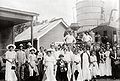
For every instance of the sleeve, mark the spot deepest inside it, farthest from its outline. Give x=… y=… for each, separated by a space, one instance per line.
x=16 y=57
x=72 y=57
x=6 y=55
x=36 y=59
x=91 y=39
x=54 y=61
x=90 y=59
x=29 y=58
x=44 y=61
x=74 y=40
x=96 y=58
x=24 y=57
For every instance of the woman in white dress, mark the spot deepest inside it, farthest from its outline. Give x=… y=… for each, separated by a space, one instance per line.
x=94 y=64
x=49 y=62
x=68 y=58
x=76 y=65
x=32 y=59
x=10 y=57
x=86 y=65
x=108 y=61
x=102 y=62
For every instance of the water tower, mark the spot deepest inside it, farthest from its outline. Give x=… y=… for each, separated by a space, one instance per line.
x=90 y=12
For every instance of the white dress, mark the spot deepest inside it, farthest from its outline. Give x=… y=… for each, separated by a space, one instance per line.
x=108 y=64
x=68 y=59
x=94 y=66
x=32 y=59
x=102 y=65
x=77 y=58
x=56 y=54
x=85 y=67
x=49 y=61
x=9 y=73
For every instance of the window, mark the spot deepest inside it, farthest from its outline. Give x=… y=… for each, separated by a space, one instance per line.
x=114 y=32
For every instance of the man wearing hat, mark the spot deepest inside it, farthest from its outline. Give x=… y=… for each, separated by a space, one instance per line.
x=21 y=58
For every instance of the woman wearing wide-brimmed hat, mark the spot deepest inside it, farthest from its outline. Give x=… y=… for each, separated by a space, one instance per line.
x=108 y=60
x=10 y=57
x=32 y=59
x=27 y=51
x=49 y=63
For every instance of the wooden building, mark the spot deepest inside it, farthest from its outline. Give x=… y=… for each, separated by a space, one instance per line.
x=44 y=34
x=107 y=31
x=9 y=18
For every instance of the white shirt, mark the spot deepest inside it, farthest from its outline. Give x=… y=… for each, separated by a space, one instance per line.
x=70 y=39
x=76 y=58
x=67 y=57
x=87 y=38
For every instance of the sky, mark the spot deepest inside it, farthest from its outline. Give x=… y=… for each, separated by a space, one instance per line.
x=49 y=9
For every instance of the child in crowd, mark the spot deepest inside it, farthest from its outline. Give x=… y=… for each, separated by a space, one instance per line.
x=93 y=65
x=61 y=74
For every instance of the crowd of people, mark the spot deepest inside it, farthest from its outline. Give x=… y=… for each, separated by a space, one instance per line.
x=64 y=62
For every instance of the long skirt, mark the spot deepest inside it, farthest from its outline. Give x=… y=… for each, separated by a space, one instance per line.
x=69 y=72
x=61 y=76
x=86 y=73
x=40 y=70
x=10 y=74
x=108 y=67
x=102 y=69
x=49 y=73
x=94 y=69
x=78 y=68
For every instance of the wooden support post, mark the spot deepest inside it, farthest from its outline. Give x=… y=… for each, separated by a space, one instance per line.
x=32 y=32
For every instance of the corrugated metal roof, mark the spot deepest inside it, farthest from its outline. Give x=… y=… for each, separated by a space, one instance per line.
x=85 y=28
x=38 y=31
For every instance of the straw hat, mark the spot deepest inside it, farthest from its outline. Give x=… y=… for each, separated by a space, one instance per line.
x=107 y=43
x=50 y=50
x=21 y=45
x=29 y=44
x=61 y=55
x=10 y=45
x=32 y=48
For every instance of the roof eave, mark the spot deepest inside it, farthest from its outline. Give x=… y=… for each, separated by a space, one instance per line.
x=18 y=11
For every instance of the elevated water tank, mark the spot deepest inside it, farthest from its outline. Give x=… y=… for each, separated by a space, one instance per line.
x=89 y=12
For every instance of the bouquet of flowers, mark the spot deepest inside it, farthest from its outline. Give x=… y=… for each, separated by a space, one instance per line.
x=63 y=67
